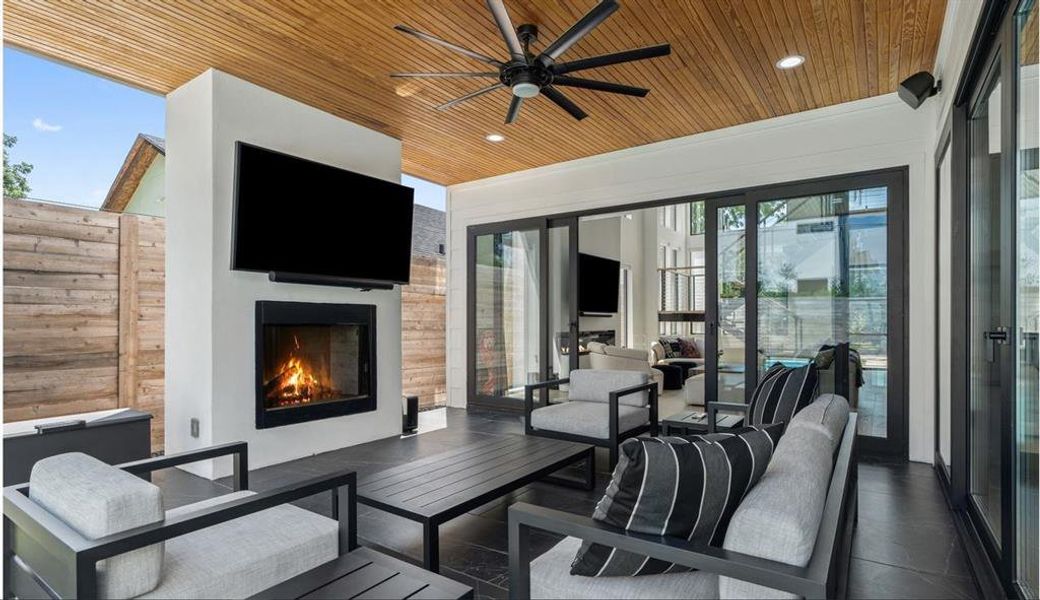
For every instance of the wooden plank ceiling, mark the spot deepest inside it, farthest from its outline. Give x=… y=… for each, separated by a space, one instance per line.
x=335 y=55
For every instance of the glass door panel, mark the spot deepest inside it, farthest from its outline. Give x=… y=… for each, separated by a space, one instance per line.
x=563 y=351
x=731 y=315
x=823 y=294
x=986 y=301
x=945 y=305
x=507 y=310
x=1027 y=301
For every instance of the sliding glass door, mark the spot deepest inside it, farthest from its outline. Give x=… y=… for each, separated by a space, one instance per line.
x=989 y=296
x=822 y=291
x=813 y=272
x=995 y=130
x=522 y=314
x=506 y=311
x=1027 y=299
x=727 y=309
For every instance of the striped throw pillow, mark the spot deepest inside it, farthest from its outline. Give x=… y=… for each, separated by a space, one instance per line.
x=686 y=487
x=782 y=392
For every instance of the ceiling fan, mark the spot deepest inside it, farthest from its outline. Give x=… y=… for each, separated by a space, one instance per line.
x=528 y=75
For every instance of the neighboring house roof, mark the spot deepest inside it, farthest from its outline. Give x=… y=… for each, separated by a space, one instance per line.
x=428 y=231
x=144 y=151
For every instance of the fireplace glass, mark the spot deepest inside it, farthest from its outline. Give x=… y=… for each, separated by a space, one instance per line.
x=313 y=364
x=313 y=361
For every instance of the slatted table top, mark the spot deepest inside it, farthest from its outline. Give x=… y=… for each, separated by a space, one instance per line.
x=446 y=484
x=365 y=573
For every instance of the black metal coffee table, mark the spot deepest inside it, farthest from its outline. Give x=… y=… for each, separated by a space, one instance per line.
x=692 y=422
x=443 y=486
x=366 y=573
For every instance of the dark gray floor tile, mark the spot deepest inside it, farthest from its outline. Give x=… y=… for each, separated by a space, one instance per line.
x=869 y=579
x=180 y=488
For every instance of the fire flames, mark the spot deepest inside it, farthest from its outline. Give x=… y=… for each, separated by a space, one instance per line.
x=295 y=383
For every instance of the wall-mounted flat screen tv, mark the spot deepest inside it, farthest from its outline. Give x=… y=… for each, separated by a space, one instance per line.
x=598 y=282
x=298 y=216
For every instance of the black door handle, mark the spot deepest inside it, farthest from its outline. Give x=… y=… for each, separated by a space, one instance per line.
x=994 y=337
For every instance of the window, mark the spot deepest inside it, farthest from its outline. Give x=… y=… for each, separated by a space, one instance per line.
x=670 y=217
x=697 y=218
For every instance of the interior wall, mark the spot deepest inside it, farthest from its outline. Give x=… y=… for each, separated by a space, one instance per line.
x=874 y=133
x=210 y=308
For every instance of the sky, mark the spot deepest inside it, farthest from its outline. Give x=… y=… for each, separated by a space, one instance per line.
x=75 y=128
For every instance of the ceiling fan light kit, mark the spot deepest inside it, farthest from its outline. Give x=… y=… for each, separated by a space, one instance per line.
x=528 y=75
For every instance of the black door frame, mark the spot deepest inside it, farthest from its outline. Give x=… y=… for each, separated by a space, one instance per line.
x=995 y=69
x=573 y=322
x=545 y=342
x=712 y=325
x=472 y=233
x=993 y=52
x=896 y=179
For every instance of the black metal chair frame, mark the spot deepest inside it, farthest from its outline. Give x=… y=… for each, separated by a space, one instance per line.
x=714 y=408
x=63 y=562
x=615 y=437
x=825 y=576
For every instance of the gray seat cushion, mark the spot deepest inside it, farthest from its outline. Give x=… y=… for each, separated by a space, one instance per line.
x=551 y=578
x=780 y=517
x=595 y=385
x=590 y=419
x=246 y=555
x=828 y=415
x=98 y=500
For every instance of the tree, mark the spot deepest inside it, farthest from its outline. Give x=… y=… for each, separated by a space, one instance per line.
x=16 y=184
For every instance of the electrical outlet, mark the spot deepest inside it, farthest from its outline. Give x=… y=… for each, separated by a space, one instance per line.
x=194 y=427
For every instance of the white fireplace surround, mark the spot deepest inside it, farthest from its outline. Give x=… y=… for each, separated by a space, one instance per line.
x=210 y=342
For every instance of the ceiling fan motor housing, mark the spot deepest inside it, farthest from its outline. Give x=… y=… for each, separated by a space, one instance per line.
x=526 y=80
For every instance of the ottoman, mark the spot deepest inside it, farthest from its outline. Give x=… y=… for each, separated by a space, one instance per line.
x=673 y=376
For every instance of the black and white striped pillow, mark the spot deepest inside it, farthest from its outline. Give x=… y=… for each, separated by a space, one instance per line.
x=686 y=487
x=782 y=392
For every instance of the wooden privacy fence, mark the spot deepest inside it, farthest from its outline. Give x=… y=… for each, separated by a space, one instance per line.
x=84 y=298
x=422 y=332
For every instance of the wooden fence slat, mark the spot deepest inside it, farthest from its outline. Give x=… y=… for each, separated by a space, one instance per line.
x=128 y=258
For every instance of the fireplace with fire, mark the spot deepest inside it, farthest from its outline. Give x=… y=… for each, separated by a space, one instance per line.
x=313 y=361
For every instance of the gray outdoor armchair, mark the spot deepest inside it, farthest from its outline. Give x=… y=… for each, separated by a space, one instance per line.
x=603 y=408
x=85 y=529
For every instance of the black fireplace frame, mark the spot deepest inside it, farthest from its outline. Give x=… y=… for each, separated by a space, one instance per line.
x=269 y=312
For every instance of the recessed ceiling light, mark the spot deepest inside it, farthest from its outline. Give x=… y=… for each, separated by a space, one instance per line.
x=790 y=62
x=494 y=137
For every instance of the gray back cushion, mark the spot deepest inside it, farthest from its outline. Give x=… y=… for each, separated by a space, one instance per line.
x=780 y=517
x=99 y=500
x=595 y=385
x=827 y=414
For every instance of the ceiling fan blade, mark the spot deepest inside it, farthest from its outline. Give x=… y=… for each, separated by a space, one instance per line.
x=601 y=86
x=604 y=60
x=563 y=102
x=514 y=109
x=594 y=17
x=436 y=40
x=501 y=15
x=470 y=96
x=446 y=75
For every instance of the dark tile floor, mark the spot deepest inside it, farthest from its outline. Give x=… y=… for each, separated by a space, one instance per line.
x=905 y=545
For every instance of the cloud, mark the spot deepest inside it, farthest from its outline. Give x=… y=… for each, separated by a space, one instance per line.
x=41 y=125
